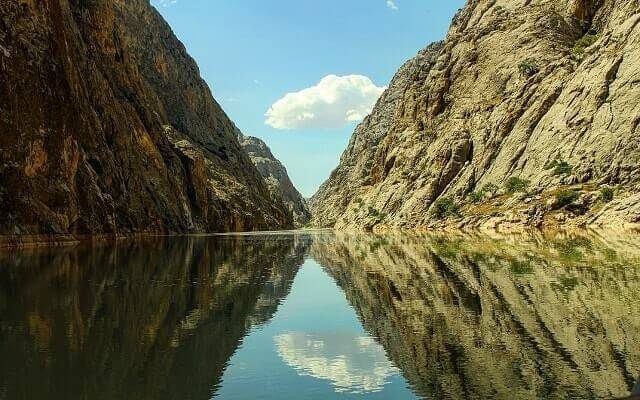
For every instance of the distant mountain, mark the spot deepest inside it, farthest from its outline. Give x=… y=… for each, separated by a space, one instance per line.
x=276 y=177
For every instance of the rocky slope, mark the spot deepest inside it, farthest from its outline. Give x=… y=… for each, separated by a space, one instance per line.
x=108 y=128
x=520 y=117
x=276 y=177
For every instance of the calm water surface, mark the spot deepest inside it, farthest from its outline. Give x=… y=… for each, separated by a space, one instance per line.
x=323 y=316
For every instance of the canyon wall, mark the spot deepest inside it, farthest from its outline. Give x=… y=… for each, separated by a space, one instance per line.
x=108 y=128
x=524 y=109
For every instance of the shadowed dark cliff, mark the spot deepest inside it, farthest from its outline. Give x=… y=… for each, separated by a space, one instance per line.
x=107 y=127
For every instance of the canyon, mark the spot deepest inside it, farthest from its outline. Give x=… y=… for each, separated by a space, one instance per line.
x=525 y=115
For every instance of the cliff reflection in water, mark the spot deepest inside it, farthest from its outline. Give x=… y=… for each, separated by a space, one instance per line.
x=461 y=317
x=477 y=317
x=158 y=320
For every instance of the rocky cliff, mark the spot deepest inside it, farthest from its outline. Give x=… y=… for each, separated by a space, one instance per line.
x=108 y=128
x=276 y=178
x=526 y=114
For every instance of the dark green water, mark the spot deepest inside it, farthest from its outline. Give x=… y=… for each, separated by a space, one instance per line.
x=323 y=316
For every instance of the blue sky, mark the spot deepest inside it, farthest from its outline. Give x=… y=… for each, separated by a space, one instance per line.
x=254 y=52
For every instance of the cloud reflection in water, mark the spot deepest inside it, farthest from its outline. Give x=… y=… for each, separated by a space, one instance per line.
x=352 y=363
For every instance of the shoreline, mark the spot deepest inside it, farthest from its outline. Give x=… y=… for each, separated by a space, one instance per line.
x=26 y=242
x=21 y=242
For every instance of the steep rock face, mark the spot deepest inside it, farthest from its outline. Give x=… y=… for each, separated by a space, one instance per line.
x=354 y=171
x=107 y=127
x=276 y=177
x=517 y=88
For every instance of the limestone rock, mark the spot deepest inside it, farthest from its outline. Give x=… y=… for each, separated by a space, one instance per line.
x=545 y=91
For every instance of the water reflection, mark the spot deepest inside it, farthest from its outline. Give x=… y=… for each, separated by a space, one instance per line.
x=479 y=317
x=156 y=320
x=351 y=362
x=460 y=316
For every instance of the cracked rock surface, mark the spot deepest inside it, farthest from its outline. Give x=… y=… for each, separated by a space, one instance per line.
x=516 y=88
x=107 y=128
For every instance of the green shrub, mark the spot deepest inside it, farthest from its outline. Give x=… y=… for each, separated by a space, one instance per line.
x=581 y=44
x=481 y=194
x=562 y=168
x=515 y=185
x=521 y=267
x=376 y=215
x=606 y=194
x=444 y=208
x=559 y=166
x=566 y=197
x=372 y=211
x=529 y=67
x=490 y=188
x=476 y=197
x=499 y=10
x=569 y=282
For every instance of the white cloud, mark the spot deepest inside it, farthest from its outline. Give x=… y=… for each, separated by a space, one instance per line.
x=332 y=103
x=392 y=4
